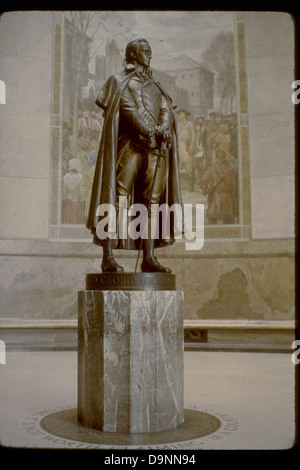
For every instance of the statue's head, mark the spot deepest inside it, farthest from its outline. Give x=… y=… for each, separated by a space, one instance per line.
x=138 y=51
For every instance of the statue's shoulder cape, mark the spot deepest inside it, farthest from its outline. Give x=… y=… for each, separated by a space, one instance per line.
x=114 y=85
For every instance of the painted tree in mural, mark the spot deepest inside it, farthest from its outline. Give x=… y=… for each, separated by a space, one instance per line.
x=83 y=28
x=219 y=58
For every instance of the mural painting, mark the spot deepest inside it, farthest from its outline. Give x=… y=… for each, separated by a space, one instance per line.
x=194 y=60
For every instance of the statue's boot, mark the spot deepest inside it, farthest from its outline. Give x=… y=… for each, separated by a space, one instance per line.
x=150 y=263
x=109 y=264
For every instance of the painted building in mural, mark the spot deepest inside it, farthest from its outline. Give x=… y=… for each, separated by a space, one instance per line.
x=198 y=82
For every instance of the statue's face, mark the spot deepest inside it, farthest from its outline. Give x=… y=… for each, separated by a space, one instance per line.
x=143 y=55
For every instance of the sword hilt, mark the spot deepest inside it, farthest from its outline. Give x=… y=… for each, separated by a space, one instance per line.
x=152 y=140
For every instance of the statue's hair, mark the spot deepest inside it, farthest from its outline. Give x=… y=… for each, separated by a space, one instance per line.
x=132 y=46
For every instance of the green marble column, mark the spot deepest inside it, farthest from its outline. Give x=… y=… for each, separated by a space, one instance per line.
x=130 y=360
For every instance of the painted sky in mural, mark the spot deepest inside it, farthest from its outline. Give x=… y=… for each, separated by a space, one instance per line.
x=170 y=33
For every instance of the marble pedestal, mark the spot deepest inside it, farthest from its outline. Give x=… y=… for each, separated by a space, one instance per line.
x=130 y=360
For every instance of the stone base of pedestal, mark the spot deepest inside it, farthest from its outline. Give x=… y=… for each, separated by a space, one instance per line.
x=130 y=360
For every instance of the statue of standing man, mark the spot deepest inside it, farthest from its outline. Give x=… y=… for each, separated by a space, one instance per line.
x=138 y=156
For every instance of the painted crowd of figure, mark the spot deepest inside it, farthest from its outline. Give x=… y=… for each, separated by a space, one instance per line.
x=208 y=164
x=78 y=170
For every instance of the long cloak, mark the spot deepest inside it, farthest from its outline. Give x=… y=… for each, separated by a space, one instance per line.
x=104 y=185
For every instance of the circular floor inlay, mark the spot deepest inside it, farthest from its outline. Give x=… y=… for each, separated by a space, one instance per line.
x=64 y=424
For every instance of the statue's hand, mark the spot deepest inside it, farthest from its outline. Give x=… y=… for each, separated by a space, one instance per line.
x=161 y=130
x=163 y=133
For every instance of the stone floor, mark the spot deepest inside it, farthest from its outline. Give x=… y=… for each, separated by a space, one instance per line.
x=252 y=394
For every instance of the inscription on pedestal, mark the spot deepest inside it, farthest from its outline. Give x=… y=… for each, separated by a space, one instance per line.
x=130 y=281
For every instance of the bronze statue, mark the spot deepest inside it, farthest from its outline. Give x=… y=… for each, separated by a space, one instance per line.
x=138 y=154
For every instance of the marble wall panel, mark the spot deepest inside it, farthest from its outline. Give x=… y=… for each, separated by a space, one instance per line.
x=271 y=71
x=273 y=207
x=24 y=207
x=24 y=42
x=28 y=85
x=272 y=145
x=272 y=287
x=27 y=155
x=26 y=68
x=255 y=281
x=221 y=291
x=239 y=288
x=270 y=79
x=271 y=24
x=42 y=287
